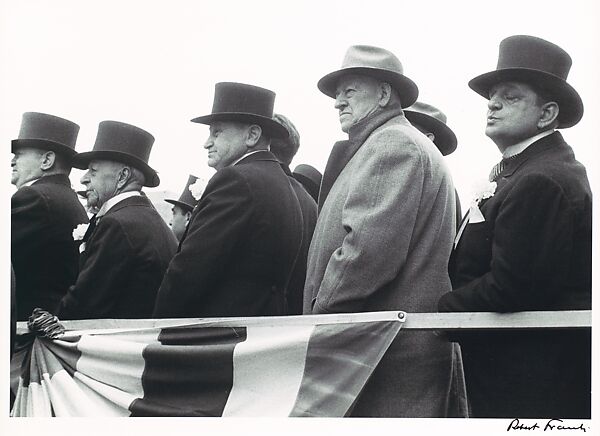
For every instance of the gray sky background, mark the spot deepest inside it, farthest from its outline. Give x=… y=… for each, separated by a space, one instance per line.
x=154 y=64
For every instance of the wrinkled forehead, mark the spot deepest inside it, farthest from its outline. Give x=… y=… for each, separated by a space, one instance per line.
x=355 y=81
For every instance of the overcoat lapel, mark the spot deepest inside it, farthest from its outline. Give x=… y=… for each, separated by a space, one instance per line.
x=343 y=151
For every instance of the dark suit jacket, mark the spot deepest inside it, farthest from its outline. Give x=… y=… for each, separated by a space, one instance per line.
x=240 y=245
x=44 y=254
x=308 y=206
x=532 y=252
x=123 y=263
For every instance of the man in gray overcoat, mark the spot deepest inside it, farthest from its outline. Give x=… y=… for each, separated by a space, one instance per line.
x=384 y=234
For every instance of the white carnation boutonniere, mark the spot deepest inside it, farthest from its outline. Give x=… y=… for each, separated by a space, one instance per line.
x=482 y=191
x=79 y=232
x=197 y=188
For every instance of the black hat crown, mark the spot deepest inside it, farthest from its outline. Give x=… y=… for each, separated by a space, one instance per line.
x=522 y=51
x=47 y=132
x=244 y=103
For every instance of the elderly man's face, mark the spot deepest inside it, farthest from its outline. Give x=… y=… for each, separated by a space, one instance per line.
x=225 y=143
x=100 y=181
x=26 y=165
x=513 y=113
x=356 y=97
x=179 y=221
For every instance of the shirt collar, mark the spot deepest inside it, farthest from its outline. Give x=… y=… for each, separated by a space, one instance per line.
x=517 y=148
x=246 y=155
x=31 y=182
x=114 y=200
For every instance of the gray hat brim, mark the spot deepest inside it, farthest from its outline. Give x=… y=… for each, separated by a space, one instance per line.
x=405 y=87
x=445 y=139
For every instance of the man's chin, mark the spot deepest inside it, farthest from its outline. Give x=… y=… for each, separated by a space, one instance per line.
x=345 y=127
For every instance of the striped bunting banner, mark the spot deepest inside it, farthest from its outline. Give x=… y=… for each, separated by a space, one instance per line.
x=266 y=366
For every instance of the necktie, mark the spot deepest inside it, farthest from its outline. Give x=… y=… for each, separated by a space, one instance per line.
x=500 y=166
x=91 y=227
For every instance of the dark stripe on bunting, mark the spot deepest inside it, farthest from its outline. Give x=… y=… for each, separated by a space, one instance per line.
x=67 y=356
x=190 y=373
x=326 y=390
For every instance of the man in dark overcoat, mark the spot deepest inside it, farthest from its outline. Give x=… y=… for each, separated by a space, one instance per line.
x=525 y=244
x=44 y=212
x=284 y=150
x=183 y=207
x=310 y=178
x=127 y=247
x=384 y=234
x=432 y=123
x=239 y=249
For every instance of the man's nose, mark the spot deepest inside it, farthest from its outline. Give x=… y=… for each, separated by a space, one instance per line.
x=85 y=179
x=340 y=102
x=494 y=104
x=208 y=143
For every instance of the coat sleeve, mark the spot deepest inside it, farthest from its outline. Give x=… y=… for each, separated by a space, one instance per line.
x=104 y=273
x=379 y=216
x=532 y=242
x=221 y=215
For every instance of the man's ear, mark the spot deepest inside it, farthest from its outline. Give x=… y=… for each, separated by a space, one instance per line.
x=188 y=216
x=549 y=114
x=253 y=135
x=123 y=177
x=47 y=160
x=385 y=94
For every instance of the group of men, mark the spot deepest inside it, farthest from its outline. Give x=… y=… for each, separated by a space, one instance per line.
x=383 y=231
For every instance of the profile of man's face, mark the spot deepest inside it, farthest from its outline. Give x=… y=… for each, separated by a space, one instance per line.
x=514 y=111
x=179 y=221
x=100 y=181
x=25 y=165
x=356 y=97
x=226 y=143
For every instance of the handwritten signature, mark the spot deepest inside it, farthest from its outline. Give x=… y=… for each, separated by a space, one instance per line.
x=551 y=424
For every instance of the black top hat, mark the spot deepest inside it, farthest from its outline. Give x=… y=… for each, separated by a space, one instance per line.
x=186 y=200
x=375 y=62
x=541 y=64
x=124 y=143
x=47 y=132
x=310 y=178
x=244 y=103
x=433 y=120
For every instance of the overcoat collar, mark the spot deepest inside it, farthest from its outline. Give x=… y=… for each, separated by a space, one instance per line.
x=138 y=200
x=264 y=155
x=538 y=147
x=343 y=151
x=57 y=179
x=286 y=170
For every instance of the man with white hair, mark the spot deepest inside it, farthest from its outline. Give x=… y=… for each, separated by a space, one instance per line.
x=384 y=234
x=127 y=246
